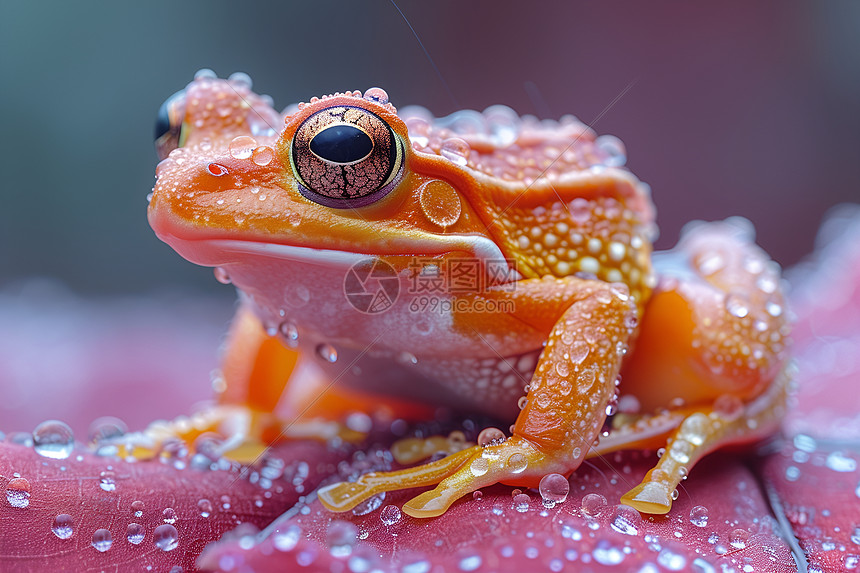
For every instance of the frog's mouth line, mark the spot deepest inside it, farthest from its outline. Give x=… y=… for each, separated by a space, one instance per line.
x=218 y=252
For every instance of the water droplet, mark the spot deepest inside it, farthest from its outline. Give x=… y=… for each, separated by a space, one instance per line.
x=63 y=526
x=221 y=275
x=671 y=560
x=593 y=504
x=699 y=516
x=626 y=520
x=134 y=533
x=503 y=125
x=242 y=147
x=377 y=95
x=681 y=450
x=341 y=537
x=263 y=155
x=166 y=537
x=614 y=150
x=517 y=463
x=106 y=428
x=369 y=505
x=607 y=554
x=205 y=507
x=491 y=437
x=710 y=263
x=737 y=305
x=290 y=333
x=169 y=515
x=579 y=351
x=470 y=563
x=805 y=443
x=102 y=540
x=286 y=540
x=521 y=502
x=477 y=495
x=240 y=80
x=205 y=74
x=216 y=169
x=107 y=480
x=53 y=439
x=18 y=492
x=554 y=488
x=729 y=407
x=839 y=462
x=773 y=309
x=327 y=352
x=479 y=466
x=456 y=150
x=738 y=538
x=137 y=508
x=390 y=514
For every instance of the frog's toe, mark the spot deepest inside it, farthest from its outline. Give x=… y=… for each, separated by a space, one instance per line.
x=649 y=497
x=343 y=496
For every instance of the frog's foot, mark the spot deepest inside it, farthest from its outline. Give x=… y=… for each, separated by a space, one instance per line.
x=235 y=432
x=412 y=450
x=728 y=421
x=515 y=462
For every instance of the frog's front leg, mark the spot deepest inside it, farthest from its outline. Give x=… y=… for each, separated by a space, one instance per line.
x=265 y=395
x=589 y=324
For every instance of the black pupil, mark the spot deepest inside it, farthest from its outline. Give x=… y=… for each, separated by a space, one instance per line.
x=341 y=144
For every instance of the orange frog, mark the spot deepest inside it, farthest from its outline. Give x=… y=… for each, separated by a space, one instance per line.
x=483 y=263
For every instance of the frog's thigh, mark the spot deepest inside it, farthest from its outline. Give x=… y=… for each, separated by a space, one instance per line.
x=712 y=340
x=715 y=325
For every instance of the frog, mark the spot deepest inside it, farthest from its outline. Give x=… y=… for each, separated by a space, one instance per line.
x=394 y=263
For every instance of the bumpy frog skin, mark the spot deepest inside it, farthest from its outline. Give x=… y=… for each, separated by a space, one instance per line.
x=560 y=320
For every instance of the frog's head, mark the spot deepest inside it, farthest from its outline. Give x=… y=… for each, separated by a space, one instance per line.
x=273 y=198
x=334 y=181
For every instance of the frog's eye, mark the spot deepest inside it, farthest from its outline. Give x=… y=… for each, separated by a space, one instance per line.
x=346 y=157
x=168 y=125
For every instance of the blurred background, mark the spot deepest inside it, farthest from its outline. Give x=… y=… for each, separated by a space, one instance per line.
x=734 y=108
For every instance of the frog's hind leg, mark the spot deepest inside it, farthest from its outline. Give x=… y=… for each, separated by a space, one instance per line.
x=713 y=337
x=687 y=435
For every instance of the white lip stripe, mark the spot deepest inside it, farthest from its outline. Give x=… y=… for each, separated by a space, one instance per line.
x=482 y=247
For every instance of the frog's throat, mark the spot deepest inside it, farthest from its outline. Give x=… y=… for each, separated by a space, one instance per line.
x=219 y=252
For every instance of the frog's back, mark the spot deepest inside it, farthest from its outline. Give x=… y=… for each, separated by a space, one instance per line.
x=555 y=196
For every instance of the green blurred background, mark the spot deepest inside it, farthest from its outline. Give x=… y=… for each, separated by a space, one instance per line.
x=736 y=108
